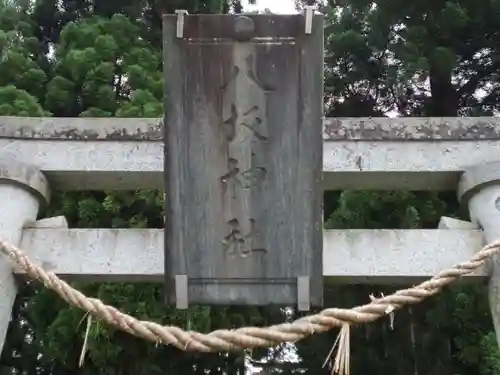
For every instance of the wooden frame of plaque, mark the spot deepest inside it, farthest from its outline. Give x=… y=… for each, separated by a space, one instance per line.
x=243 y=159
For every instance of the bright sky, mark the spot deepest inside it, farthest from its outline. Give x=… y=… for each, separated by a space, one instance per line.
x=275 y=6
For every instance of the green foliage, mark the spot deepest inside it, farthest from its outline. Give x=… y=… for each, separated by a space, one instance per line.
x=395 y=209
x=103 y=69
x=384 y=55
x=490 y=365
x=22 y=80
x=18 y=102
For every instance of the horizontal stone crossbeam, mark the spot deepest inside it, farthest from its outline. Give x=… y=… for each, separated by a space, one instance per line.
x=358 y=153
x=353 y=256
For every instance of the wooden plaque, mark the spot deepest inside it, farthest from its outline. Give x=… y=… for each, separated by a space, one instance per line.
x=243 y=159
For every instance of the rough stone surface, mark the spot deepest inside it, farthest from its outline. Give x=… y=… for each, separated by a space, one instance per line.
x=411 y=128
x=78 y=129
x=478 y=176
x=355 y=256
x=396 y=256
x=377 y=165
x=26 y=177
x=92 y=165
x=50 y=222
x=19 y=207
x=334 y=129
x=484 y=211
x=413 y=165
x=452 y=223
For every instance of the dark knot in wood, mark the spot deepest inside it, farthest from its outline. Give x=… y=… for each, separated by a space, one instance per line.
x=244 y=28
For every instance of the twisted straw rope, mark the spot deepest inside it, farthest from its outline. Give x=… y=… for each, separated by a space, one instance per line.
x=248 y=337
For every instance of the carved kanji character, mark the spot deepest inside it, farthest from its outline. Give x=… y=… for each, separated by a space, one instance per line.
x=252 y=121
x=238 y=243
x=245 y=101
x=245 y=179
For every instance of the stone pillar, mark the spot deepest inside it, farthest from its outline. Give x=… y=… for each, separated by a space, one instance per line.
x=23 y=189
x=479 y=188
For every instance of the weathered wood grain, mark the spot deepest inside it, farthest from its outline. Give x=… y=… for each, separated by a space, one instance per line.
x=243 y=159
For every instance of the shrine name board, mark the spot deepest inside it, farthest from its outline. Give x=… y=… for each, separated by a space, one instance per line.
x=243 y=159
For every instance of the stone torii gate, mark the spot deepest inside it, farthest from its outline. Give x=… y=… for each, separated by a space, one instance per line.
x=461 y=154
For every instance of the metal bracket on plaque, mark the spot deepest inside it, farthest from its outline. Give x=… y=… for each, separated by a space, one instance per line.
x=180 y=21
x=181 y=292
x=308 y=14
x=303 y=293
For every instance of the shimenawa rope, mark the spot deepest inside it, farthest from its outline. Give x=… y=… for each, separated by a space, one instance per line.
x=248 y=337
